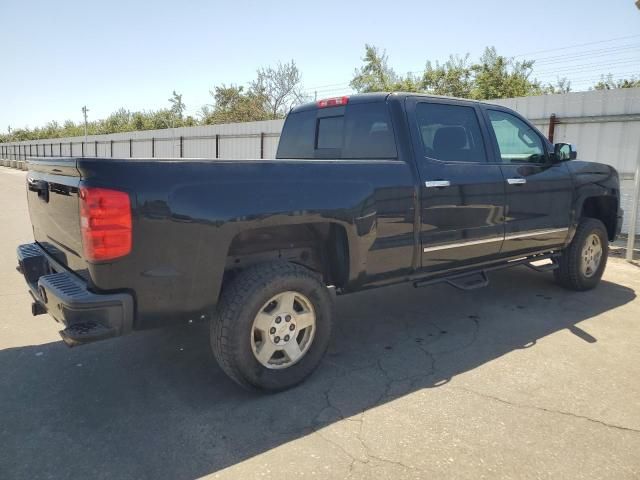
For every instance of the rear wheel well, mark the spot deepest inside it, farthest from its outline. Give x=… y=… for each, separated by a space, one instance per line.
x=604 y=209
x=321 y=247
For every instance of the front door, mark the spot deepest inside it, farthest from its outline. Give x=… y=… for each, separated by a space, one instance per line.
x=462 y=195
x=539 y=193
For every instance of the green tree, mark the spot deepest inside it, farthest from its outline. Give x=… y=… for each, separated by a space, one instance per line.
x=234 y=104
x=118 y=121
x=163 y=118
x=492 y=76
x=496 y=76
x=280 y=86
x=177 y=105
x=377 y=76
x=608 y=83
x=139 y=121
x=453 y=78
x=562 y=85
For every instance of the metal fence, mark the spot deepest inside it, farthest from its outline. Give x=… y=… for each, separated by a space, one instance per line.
x=240 y=140
x=605 y=126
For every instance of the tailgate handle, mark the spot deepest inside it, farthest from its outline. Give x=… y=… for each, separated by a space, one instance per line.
x=39 y=186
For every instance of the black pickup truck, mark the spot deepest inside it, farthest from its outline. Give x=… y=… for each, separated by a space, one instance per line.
x=366 y=191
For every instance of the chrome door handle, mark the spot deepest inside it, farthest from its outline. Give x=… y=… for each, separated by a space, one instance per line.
x=437 y=183
x=516 y=181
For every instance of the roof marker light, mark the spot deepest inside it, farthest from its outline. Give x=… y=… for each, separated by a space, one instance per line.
x=333 y=102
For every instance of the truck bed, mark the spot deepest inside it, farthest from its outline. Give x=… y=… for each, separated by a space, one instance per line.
x=187 y=212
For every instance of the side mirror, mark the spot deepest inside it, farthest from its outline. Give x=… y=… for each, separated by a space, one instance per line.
x=564 y=151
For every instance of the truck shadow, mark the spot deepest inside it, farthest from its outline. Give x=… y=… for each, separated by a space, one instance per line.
x=155 y=405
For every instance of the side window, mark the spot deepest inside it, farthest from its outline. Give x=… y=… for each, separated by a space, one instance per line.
x=450 y=132
x=368 y=132
x=298 y=135
x=517 y=141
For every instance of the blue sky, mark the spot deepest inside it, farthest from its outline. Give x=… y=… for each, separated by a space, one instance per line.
x=58 y=56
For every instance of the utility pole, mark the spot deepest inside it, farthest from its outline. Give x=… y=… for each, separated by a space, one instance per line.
x=84 y=112
x=9 y=130
x=635 y=199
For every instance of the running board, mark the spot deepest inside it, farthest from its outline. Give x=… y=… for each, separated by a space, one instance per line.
x=470 y=281
x=547 y=267
x=478 y=278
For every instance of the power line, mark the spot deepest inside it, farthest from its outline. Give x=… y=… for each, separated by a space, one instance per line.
x=577 y=55
x=338 y=88
x=591 y=77
x=585 y=78
x=320 y=87
x=544 y=75
x=590 y=54
x=583 y=74
x=587 y=66
x=576 y=45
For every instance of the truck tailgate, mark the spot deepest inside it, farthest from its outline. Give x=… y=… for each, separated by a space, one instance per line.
x=52 y=194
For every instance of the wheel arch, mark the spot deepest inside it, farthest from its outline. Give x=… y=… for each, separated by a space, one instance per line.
x=602 y=207
x=320 y=246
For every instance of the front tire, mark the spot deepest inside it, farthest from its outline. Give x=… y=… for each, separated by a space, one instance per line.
x=583 y=262
x=272 y=326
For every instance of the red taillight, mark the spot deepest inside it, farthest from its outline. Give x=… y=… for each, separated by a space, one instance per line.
x=333 y=102
x=105 y=223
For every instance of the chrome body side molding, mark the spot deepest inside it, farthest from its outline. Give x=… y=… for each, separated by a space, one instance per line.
x=511 y=236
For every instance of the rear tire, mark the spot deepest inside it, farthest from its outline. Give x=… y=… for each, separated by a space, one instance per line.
x=262 y=306
x=583 y=262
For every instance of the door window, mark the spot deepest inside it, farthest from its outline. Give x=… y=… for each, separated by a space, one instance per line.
x=450 y=133
x=517 y=141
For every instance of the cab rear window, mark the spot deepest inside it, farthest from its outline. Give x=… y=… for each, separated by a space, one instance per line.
x=330 y=132
x=357 y=131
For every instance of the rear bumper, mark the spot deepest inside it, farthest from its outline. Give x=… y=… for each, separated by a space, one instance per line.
x=87 y=316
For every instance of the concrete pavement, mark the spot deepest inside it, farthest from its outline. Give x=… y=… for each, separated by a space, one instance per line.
x=518 y=380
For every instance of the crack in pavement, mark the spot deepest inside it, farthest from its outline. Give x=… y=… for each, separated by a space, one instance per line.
x=368 y=455
x=391 y=379
x=547 y=410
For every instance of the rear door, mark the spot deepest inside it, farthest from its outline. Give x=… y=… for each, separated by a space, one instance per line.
x=538 y=192
x=52 y=195
x=462 y=194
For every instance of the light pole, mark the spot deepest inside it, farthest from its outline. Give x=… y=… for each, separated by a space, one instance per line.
x=635 y=198
x=84 y=112
x=10 y=139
